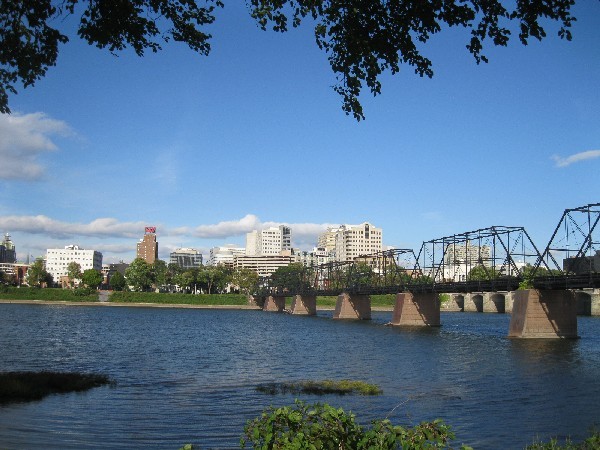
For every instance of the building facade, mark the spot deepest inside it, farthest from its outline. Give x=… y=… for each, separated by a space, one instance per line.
x=225 y=255
x=460 y=259
x=352 y=241
x=58 y=260
x=264 y=266
x=147 y=247
x=271 y=241
x=186 y=258
x=8 y=253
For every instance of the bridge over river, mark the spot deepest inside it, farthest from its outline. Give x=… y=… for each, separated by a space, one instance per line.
x=495 y=266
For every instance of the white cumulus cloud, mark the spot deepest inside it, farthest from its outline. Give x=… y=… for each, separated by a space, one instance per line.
x=577 y=157
x=23 y=138
x=104 y=227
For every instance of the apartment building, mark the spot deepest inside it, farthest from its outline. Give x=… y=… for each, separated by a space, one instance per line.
x=351 y=241
x=186 y=258
x=58 y=260
x=270 y=241
x=225 y=255
x=147 y=247
x=459 y=259
x=263 y=265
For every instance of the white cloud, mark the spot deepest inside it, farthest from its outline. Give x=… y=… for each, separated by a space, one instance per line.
x=23 y=138
x=104 y=227
x=303 y=234
x=229 y=228
x=577 y=157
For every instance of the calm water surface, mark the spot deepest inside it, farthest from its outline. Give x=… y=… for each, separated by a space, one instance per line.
x=189 y=375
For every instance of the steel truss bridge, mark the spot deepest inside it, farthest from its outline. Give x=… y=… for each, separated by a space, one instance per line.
x=498 y=258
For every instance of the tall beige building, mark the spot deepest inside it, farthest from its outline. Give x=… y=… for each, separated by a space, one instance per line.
x=147 y=247
x=351 y=241
x=269 y=242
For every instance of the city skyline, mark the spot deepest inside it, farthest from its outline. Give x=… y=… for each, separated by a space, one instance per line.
x=209 y=148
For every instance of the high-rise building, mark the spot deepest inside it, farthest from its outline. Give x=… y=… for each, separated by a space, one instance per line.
x=459 y=259
x=8 y=253
x=147 y=247
x=186 y=258
x=58 y=260
x=351 y=241
x=271 y=241
x=225 y=255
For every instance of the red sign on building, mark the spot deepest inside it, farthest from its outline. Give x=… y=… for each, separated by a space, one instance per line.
x=150 y=229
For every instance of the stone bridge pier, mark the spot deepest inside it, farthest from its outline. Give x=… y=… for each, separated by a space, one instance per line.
x=544 y=314
x=588 y=302
x=305 y=304
x=353 y=306
x=494 y=302
x=417 y=309
x=274 y=303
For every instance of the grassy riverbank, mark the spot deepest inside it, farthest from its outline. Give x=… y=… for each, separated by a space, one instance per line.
x=30 y=386
x=126 y=297
x=179 y=299
x=48 y=294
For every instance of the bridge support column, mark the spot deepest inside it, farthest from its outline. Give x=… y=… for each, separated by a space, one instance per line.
x=456 y=302
x=353 y=307
x=494 y=302
x=509 y=300
x=473 y=302
x=304 y=304
x=595 y=295
x=543 y=314
x=256 y=300
x=274 y=303
x=417 y=309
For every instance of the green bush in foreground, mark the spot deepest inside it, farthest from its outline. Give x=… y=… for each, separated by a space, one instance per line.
x=322 y=426
x=591 y=443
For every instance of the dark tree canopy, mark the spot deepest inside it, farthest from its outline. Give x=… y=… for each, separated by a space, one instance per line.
x=362 y=38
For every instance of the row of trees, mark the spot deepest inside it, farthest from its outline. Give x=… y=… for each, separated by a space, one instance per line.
x=142 y=276
x=37 y=275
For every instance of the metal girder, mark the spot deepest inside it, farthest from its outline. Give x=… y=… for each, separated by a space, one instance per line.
x=486 y=254
x=574 y=246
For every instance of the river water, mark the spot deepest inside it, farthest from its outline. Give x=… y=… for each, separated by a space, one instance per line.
x=189 y=375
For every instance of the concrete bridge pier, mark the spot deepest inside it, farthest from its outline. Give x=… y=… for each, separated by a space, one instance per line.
x=543 y=314
x=258 y=300
x=353 y=306
x=456 y=302
x=494 y=302
x=588 y=302
x=274 y=303
x=305 y=304
x=417 y=309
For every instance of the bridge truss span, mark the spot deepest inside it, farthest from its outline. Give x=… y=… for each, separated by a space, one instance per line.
x=495 y=256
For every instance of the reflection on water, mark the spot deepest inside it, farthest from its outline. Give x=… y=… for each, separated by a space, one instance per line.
x=187 y=375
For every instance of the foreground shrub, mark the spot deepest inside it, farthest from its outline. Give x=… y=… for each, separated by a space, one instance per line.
x=322 y=426
x=591 y=443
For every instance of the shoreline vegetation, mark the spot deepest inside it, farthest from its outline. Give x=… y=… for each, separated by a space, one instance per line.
x=128 y=298
x=16 y=387
x=324 y=387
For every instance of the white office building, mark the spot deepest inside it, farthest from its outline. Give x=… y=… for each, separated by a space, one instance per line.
x=459 y=259
x=225 y=255
x=351 y=241
x=58 y=259
x=269 y=242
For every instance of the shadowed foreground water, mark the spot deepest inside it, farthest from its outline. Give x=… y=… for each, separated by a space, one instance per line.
x=189 y=375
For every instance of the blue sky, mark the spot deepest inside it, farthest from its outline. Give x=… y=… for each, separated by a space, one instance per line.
x=209 y=148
